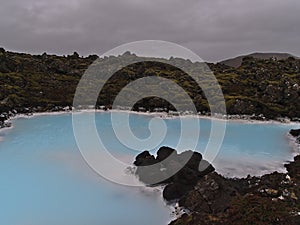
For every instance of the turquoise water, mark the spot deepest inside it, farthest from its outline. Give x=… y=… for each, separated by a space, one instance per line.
x=44 y=179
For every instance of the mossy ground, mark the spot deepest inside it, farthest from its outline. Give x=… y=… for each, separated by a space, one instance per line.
x=269 y=87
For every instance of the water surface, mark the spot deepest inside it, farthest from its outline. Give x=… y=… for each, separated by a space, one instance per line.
x=44 y=179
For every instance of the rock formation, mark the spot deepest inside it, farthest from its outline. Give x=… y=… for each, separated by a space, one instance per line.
x=213 y=199
x=180 y=172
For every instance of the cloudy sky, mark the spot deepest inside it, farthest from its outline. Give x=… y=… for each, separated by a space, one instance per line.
x=214 y=29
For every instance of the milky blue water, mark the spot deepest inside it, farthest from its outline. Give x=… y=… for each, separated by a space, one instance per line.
x=44 y=179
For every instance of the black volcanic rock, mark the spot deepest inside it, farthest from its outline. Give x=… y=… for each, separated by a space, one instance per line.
x=186 y=176
x=295 y=132
x=164 y=152
x=145 y=159
x=205 y=168
x=270 y=199
x=147 y=173
x=175 y=191
x=293 y=169
x=180 y=172
x=3 y=118
x=212 y=194
x=190 y=159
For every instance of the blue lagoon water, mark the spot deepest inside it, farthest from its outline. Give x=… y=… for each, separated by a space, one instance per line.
x=45 y=180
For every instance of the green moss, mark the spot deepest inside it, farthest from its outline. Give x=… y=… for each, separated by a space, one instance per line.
x=255 y=210
x=53 y=79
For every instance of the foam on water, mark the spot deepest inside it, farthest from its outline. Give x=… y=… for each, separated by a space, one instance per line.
x=44 y=179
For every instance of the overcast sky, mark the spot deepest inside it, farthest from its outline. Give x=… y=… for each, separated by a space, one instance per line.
x=214 y=29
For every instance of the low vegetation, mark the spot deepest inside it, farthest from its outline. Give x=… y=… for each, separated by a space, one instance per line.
x=259 y=86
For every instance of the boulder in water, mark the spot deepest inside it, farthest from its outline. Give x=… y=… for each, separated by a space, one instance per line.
x=295 y=132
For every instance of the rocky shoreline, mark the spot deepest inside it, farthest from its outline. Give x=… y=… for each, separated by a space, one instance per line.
x=212 y=199
x=5 y=116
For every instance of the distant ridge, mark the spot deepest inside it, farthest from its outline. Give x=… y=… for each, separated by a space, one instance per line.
x=237 y=61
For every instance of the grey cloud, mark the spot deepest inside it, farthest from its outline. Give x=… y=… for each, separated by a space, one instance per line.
x=213 y=29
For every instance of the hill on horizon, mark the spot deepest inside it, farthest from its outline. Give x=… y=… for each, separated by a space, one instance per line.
x=237 y=61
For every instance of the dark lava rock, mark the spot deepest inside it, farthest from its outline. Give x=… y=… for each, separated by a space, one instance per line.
x=205 y=168
x=190 y=159
x=175 y=191
x=295 y=132
x=270 y=199
x=186 y=176
x=214 y=200
x=212 y=194
x=293 y=169
x=3 y=118
x=147 y=173
x=164 y=152
x=145 y=159
x=272 y=180
x=179 y=171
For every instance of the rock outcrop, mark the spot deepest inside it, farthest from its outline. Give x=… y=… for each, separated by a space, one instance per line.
x=212 y=199
x=295 y=132
x=270 y=199
x=180 y=172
